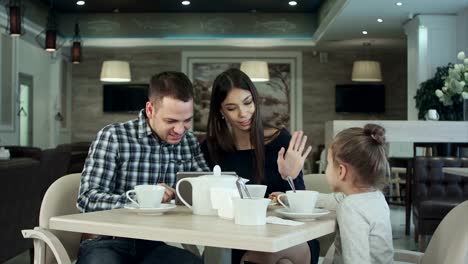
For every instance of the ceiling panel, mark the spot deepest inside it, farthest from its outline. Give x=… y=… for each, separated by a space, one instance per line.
x=224 y=6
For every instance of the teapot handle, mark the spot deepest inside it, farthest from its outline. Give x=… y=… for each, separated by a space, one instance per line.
x=180 y=196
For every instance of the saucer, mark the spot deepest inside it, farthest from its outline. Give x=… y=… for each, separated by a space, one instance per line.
x=150 y=211
x=302 y=216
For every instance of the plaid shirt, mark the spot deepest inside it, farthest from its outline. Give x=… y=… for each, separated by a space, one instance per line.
x=128 y=154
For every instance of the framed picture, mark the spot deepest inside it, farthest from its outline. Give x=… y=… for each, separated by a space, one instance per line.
x=281 y=96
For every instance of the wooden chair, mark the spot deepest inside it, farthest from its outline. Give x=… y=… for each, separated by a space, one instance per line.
x=60 y=199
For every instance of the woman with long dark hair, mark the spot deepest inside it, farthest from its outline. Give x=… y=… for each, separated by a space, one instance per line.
x=237 y=140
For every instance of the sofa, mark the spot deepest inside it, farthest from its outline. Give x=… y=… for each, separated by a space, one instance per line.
x=435 y=193
x=26 y=177
x=78 y=152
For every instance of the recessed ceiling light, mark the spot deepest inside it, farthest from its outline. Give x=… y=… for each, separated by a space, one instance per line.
x=80 y=2
x=292 y=3
x=186 y=2
x=364 y=32
x=399 y=3
x=379 y=20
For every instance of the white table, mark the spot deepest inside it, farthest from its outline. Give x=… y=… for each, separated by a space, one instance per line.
x=180 y=226
x=456 y=171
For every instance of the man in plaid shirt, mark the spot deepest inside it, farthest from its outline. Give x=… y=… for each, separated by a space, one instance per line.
x=147 y=150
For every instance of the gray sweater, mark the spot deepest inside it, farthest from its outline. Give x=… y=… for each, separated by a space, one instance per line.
x=364 y=231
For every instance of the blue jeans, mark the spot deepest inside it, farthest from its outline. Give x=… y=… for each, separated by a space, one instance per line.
x=105 y=250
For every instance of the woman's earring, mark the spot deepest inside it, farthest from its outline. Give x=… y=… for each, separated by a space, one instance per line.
x=222 y=116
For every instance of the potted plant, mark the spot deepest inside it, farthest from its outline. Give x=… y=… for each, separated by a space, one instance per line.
x=445 y=92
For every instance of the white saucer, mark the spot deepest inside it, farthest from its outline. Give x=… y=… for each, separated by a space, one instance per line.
x=150 y=211
x=302 y=216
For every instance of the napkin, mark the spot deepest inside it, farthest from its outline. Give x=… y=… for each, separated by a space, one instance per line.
x=280 y=221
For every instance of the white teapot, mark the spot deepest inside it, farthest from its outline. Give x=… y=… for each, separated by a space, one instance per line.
x=201 y=190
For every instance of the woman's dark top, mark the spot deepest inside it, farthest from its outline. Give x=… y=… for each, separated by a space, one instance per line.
x=242 y=162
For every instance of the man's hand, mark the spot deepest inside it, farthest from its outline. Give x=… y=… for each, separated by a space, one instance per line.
x=169 y=194
x=291 y=163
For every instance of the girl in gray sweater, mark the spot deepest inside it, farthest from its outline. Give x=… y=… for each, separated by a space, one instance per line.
x=356 y=171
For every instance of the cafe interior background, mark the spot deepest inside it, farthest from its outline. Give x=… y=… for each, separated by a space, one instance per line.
x=327 y=61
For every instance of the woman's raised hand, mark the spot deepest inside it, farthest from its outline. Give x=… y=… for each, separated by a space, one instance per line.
x=291 y=163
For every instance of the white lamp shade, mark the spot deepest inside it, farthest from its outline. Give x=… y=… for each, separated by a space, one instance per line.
x=115 y=71
x=256 y=70
x=366 y=71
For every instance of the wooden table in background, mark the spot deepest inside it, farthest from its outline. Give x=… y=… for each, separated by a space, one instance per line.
x=456 y=171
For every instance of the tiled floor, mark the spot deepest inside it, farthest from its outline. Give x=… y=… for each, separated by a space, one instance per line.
x=397 y=215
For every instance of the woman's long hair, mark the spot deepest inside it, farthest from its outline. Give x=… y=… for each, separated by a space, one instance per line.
x=219 y=138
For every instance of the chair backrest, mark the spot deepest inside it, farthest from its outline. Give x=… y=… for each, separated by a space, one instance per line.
x=428 y=149
x=318 y=182
x=430 y=182
x=60 y=199
x=449 y=244
x=323 y=161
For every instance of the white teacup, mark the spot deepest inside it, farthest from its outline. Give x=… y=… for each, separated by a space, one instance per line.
x=301 y=201
x=250 y=211
x=147 y=196
x=221 y=200
x=256 y=190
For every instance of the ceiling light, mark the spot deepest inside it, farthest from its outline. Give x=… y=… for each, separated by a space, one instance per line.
x=52 y=38
x=366 y=71
x=364 y=32
x=80 y=3
x=256 y=70
x=14 y=18
x=186 y=3
x=115 y=71
x=76 y=46
x=379 y=20
x=399 y=3
x=292 y=3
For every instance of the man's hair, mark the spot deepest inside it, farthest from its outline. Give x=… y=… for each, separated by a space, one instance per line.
x=170 y=84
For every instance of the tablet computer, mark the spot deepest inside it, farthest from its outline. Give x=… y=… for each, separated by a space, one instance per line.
x=185 y=188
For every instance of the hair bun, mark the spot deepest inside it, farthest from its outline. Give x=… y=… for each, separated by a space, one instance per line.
x=376 y=132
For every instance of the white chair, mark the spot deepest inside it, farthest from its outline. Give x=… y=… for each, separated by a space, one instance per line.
x=322 y=163
x=60 y=199
x=449 y=244
x=318 y=182
x=395 y=181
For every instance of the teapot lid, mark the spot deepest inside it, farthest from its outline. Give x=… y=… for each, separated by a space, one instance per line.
x=217 y=174
x=217 y=170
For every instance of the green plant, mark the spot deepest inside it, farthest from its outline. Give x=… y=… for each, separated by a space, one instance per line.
x=426 y=97
x=455 y=87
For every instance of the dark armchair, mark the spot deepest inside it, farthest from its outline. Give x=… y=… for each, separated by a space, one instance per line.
x=78 y=152
x=435 y=193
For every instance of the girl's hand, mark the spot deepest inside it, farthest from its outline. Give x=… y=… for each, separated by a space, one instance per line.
x=274 y=196
x=291 y=163
x=169 y=194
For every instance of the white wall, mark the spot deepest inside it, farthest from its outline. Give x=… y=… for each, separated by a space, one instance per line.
x=462 y=31
x=34 y=61
x=432 y=42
